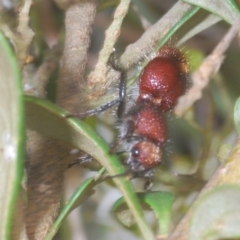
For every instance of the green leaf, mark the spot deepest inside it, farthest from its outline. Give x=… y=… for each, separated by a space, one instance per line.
x=191 y=23
x=51 y=121
x=217 y=215
x=84 y=191
x=12 y=135
x=189 y=14
x=159 y=202
x=224 y=9
x=195 y=57
x=198 y=23
x=236 y=115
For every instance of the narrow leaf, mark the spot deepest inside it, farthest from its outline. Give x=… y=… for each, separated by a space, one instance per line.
x=84 y=191
x=159 y=202
x=12 y=135
x=221 y=8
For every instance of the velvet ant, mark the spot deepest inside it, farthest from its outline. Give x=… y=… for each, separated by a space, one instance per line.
x=143 y=130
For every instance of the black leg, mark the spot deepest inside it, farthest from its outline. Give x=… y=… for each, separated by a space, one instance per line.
x=119 y=153
x=147 y=176
x=132 y=138
x=122 y=85
x=114 y=146
x=124 y=174
x=95 y=111
x=148 y=184
x=85 y=158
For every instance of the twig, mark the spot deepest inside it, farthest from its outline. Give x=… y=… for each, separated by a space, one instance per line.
x=98 y=77
x=78 y=23
x=22 y=40
x=26 y=32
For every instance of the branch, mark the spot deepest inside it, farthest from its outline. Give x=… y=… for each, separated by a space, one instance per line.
x=78 y=23
x=49 y=158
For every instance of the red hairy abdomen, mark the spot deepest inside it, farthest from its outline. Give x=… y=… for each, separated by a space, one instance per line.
x=150 y=123
x=163 y=80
